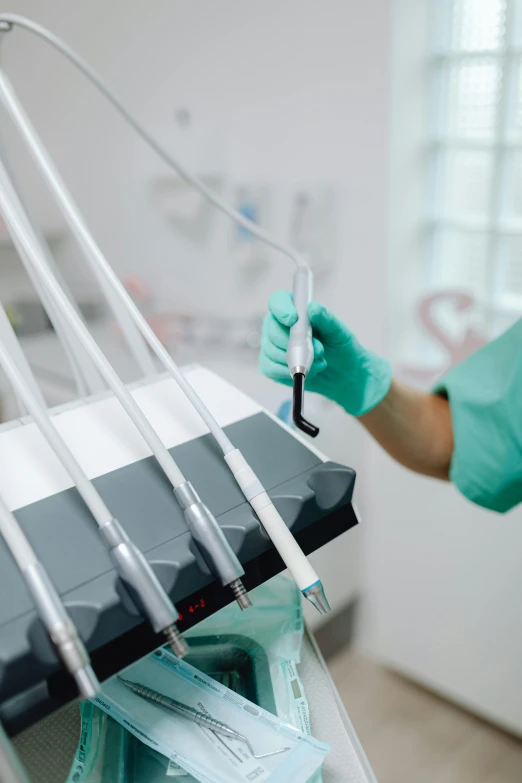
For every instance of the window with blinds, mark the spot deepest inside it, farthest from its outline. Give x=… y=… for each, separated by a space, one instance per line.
x=475 y=151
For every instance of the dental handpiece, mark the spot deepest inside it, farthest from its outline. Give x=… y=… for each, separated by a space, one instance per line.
x=300 y=351
x=291 y=553
x=130 y=563
x=202 y=524
x=57 y=622
x=197 y=717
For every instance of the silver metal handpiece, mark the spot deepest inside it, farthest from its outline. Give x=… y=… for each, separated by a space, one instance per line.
x=197 y=717
x=212 y=543
x=135 y=572
x=61 y=629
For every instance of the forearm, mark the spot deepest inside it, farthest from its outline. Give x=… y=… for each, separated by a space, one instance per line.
x=414 y=428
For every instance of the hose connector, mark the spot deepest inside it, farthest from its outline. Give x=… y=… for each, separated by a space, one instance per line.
x=211 y=542
x=143 y=584
x=61 y=630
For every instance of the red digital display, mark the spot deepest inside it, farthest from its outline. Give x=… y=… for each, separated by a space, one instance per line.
x=194 y=608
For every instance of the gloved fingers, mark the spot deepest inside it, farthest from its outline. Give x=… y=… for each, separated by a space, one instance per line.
x=275 y=333
x=318 y=348
x=275 y=371
x=318 y=366
x=328 y=328
x=281 y=305
x=275 y=354
x=280 y=372
x=279 y=356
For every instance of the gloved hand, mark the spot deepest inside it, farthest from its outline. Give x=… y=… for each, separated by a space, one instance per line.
x=342 y=369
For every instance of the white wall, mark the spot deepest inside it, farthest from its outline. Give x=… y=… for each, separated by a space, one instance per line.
x=442 y=578
x=299 y=91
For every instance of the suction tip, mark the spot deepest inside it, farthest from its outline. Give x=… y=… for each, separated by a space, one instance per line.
x=176 y=641
x=316 y=595
x=87 y=682
x=240 y=594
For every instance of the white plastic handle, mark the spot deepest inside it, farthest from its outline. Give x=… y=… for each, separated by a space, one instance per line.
x=300 y=351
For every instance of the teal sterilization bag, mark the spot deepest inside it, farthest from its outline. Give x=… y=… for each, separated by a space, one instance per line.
x=253 y=653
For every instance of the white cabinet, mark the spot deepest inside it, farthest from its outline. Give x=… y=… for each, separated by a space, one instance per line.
x=443 y=581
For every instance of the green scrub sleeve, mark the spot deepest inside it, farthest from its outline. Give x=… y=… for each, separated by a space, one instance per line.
x=485 y=396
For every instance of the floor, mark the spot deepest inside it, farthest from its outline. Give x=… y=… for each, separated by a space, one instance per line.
x=412 y=736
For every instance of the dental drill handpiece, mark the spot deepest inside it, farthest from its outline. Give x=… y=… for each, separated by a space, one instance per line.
x=130 y=562
x=51 y=610
x=300 y=356
x=197 y=717
x=131 y=565
x=208 y=535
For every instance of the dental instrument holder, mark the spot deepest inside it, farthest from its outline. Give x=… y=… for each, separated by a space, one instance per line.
x=300 y=351
x=312 y=495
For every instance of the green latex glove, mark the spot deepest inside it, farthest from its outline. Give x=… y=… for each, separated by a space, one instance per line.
x=342 y=369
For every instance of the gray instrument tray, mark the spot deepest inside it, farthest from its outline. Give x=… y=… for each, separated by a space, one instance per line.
x=313 y=497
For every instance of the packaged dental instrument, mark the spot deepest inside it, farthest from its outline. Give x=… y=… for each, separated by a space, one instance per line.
x=205 y=728
x=255 y=654
x=275 y=628
x=108 y=753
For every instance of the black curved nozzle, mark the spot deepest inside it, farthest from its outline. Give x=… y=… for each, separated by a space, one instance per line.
x=297 y=410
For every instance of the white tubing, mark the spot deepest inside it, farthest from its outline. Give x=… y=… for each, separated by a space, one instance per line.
x=15 y=538
x=86 y=377
x=76 y=223
x=290 y=551
x=82 y=233
x=282 y=538
x=8 y=336
x=110 y=284
x=83 y=387
x=85 y=487
x=12 y=211
x=278 y=531
x=165 y=155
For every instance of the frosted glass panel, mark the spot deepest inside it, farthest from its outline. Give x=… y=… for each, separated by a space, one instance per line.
x=515 y=112
x=478 y=25
x=467 y=184
x=516 y=34
x=474 y=170
x=459 y=260
x=513 y=199
x=473 y=96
